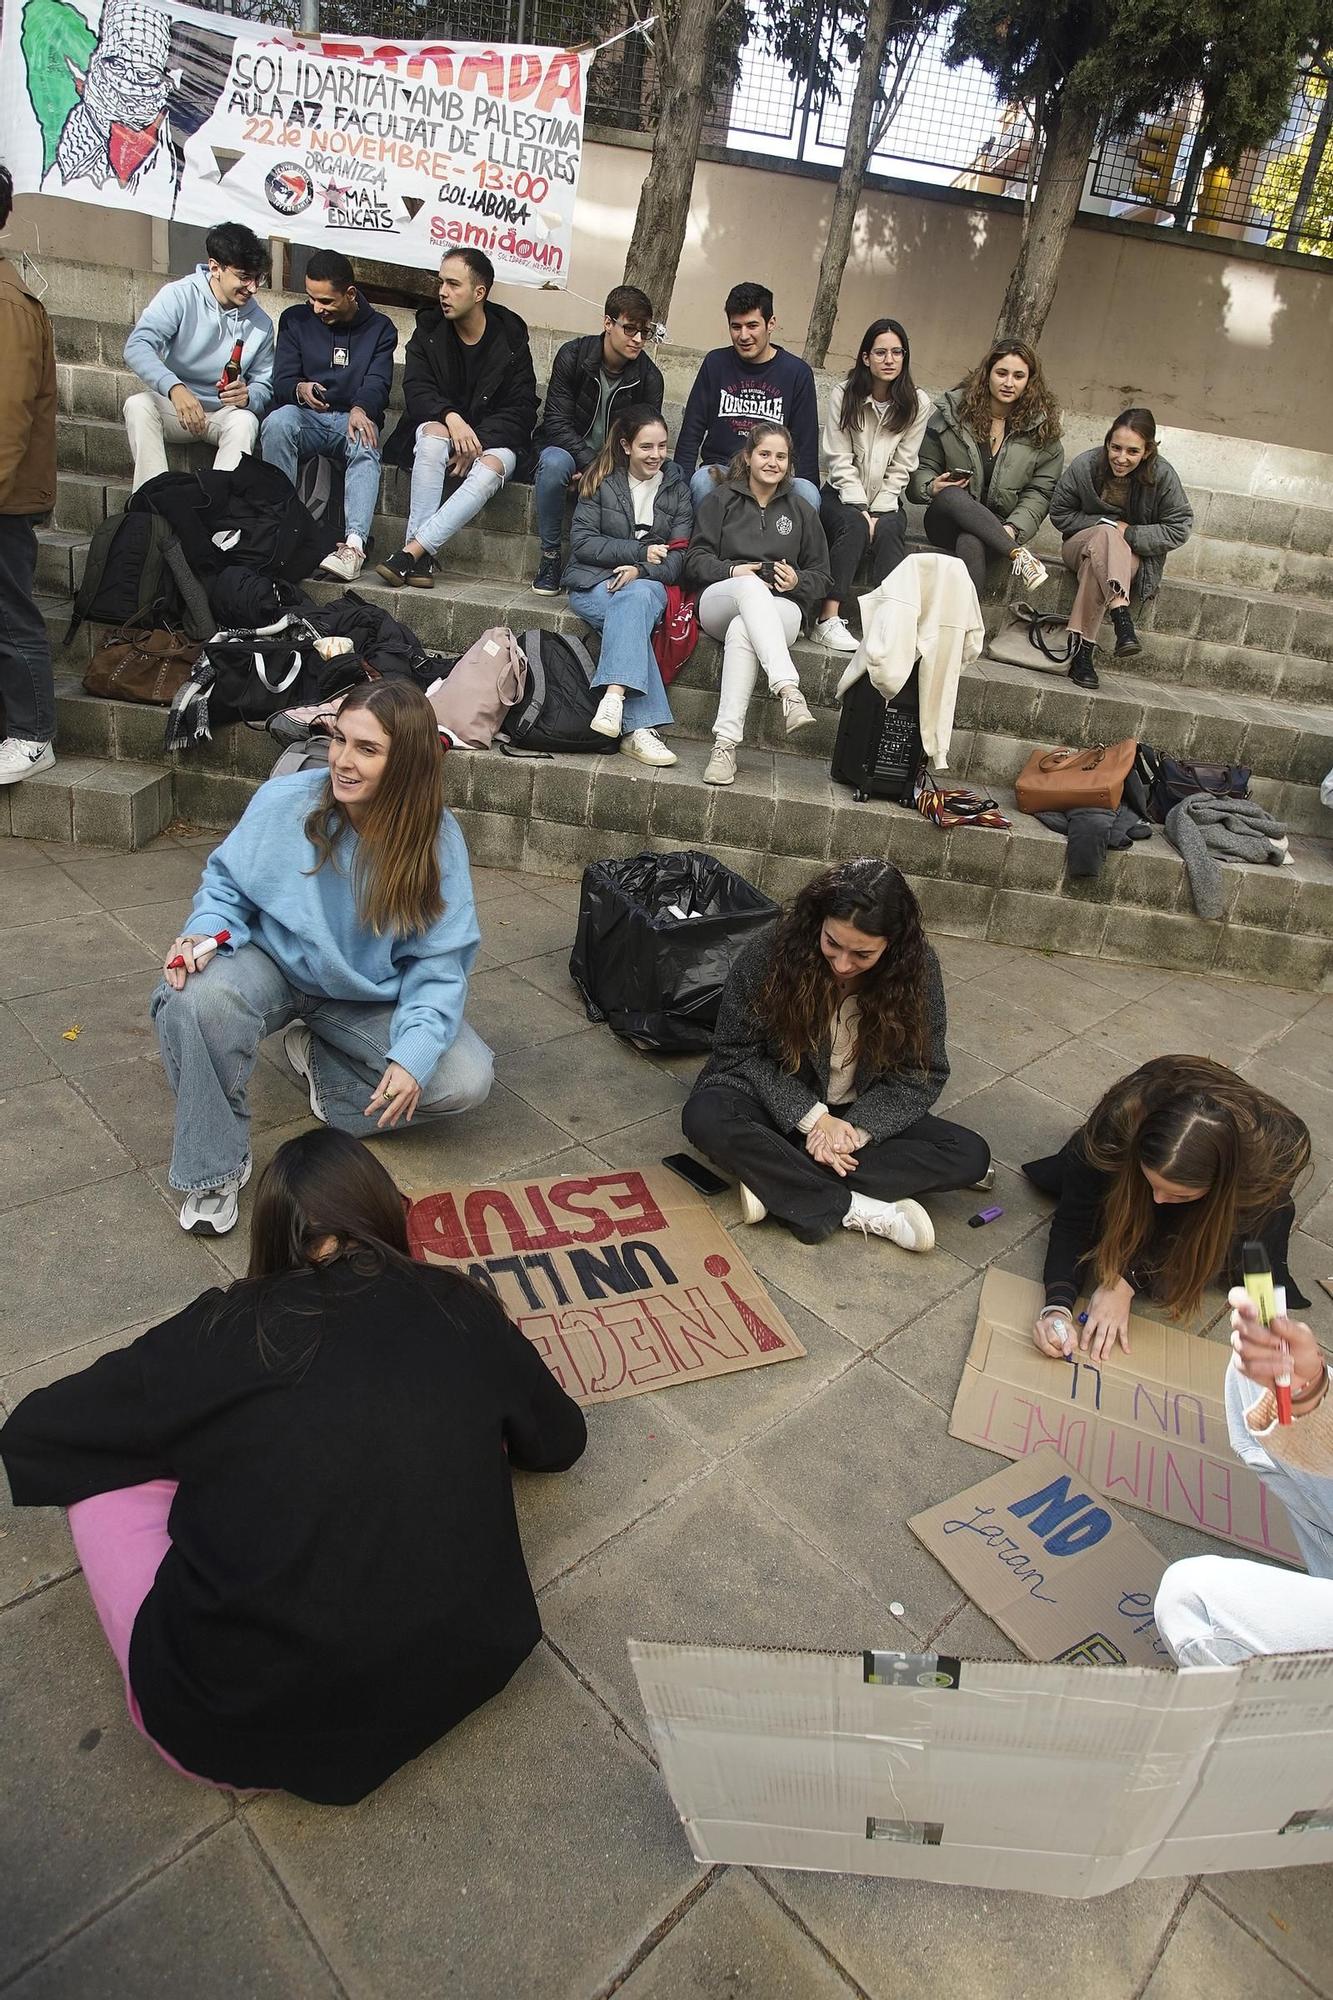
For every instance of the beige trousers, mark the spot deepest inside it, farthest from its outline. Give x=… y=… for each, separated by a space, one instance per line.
x=151 y=419
x=1105 y=566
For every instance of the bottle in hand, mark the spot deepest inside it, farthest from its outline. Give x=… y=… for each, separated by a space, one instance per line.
x=231 y=372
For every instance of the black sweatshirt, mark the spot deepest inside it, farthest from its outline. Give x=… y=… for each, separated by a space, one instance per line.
x=345 y=1581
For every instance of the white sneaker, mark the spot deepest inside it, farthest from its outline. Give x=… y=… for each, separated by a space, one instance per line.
x=296 y=1047
x=902 y=1222
x=834 y=633
x=345 y=561
x=212 y=1211
x=646 y=747
x=610 y=713
x=1031 y=573
x=752 y=1209
x=721 y=766
x=795 y=711
x=20 y=758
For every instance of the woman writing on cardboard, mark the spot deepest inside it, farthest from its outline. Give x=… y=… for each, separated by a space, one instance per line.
x=1179 y=1163
x=292 y=1501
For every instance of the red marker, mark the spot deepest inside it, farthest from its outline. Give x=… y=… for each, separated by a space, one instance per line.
x=203 y=951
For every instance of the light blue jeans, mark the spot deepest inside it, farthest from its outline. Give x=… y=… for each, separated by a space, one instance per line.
x=702 y=484
x=551 y=487
x=427 y=521
x=625 y=618
x=293 y=433
x=210 y=1033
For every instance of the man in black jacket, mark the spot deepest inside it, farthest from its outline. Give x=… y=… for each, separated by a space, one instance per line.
x=593 y=378
x=470 y=397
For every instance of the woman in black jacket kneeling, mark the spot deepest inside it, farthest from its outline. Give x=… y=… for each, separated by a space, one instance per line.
x=292 y=1501
x=828 y=1054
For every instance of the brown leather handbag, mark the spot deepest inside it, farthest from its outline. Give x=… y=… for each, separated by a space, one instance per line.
x=141 y=663
x=1065 y=780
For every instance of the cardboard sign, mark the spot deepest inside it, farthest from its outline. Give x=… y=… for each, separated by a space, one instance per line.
x=622 y=1282
x=1061 y=1573
x=1147 y=1428
x=1069 y=1781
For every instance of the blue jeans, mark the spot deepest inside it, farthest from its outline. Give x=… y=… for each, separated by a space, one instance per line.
x=210 y=1033
x=702 y=483
x=431 y=519
x=551 y=486
x=293 y=433
x=26 y=679
x=625 y=618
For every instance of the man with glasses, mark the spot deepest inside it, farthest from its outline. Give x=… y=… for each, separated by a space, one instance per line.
x=593 y=378
x=205 y=350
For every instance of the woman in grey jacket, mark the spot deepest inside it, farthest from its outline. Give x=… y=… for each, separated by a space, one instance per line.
x=828 y=1054
x=1121 y=509
x=633 y=504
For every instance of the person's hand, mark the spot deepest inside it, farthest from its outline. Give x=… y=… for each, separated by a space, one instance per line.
x=576 y=478
x=360 y=428
x=1011 y=531
x=1258 y=1348
x=832 y=1142
x=871 y=521
x=176 y=975
x=189 y=409
x=745 y=569
x=235 y=396
x=946 y=480
x=1047 y=1331
x=1122 y=529
x=467 y=445
x=1108 y=1320
x=622 y=574
x=656 y=552
x=399 y=1093
x=785 y=578
x=312 y=395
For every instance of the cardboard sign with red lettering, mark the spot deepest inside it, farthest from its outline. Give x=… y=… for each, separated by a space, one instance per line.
x=1064 y=1575
x=1147 y=1428
x=623 y=1282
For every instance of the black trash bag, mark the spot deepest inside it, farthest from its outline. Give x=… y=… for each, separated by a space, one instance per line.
x=657 y=936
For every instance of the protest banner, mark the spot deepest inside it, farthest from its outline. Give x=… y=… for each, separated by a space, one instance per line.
x=1062 y=1780
x=623 y=1282
x=392 y=149
x=1147 y=1428
x=1066 y=1578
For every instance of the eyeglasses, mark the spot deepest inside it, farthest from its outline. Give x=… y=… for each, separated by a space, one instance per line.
x=634 y=329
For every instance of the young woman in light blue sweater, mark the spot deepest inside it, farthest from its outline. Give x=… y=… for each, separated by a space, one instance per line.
x=349 y=918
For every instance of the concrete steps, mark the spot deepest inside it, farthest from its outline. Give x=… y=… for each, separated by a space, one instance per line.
x=123 y=804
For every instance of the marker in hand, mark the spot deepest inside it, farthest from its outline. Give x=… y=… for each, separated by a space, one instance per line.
x=1257 y=1273
x=204 y=949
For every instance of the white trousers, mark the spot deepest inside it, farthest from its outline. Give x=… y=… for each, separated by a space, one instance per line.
x=1215 y=1611
x=757 y=629
x=151 y=421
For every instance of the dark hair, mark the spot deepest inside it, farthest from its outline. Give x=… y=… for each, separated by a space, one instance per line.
x=1036 y=413
x=477 y=262
x=237 y=248
x=330 y=267
x=857 y=389
x=6 y=196
x=611 y=457
x=797 y=997
x=1144 y=425
x=747 y=299
x=628 y=301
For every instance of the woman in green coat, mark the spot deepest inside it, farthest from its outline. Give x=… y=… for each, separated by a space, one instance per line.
x=989 y=462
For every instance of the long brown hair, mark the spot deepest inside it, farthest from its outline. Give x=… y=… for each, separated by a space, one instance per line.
x=858 y=389
x=1036 y=413
x=1199 y=1125
x=396 y=873
x=1144 y=426
x=797 y=998
x=614 y=454
x=739 y=469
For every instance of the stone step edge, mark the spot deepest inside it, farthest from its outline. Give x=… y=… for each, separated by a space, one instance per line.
x=120 y=805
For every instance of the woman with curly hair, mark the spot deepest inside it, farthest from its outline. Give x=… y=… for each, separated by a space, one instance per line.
x=828 y=1055
x=989 y=462
x=1178 y=1165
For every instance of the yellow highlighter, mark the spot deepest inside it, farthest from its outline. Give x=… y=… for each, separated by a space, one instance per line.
x=1258 y=1276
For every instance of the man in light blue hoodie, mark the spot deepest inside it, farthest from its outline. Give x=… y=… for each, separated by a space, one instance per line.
x=205 y=350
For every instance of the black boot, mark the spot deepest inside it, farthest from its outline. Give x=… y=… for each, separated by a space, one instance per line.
x=1126 y=638
x=1082 y=670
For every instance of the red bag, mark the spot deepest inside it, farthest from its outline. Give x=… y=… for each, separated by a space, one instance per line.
x=676 y=633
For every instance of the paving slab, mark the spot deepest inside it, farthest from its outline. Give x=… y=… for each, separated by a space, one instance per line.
x=38 y=958
x=735 y=1943
x=134 y=1101
x=600 y=1084
x=51 y=1142
x=1210 y=1954
x=1289 y=1910
x=37 y=895
x=867 y=1287
x=110 y=1017
x=22 y=1060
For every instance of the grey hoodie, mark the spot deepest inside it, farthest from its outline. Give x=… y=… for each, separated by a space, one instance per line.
x=184 y=336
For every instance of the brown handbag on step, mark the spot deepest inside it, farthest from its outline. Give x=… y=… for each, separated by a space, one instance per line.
x=141 y=663
x=1066 y=780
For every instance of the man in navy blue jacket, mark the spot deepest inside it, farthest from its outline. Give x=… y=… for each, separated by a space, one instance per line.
x=750 y=381
x=331 y=382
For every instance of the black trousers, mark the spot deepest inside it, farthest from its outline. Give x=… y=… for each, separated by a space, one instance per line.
x=734 y=1130
x=963 y=527
x=27 y=685
x=848 y=538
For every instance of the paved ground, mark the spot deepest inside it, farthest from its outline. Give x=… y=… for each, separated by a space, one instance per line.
x=535 y=1851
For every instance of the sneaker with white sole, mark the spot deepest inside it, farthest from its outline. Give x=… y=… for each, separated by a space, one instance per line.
x=647 y=747
x=795 y=710
x=346 y=561
x=296 y=1047
x=752 y=1209
x=212 y=1211
x=902 y=1222
x=20 y=758
x=1030 y=573
x=836 y=635
x=610 y=714
x=721 y=766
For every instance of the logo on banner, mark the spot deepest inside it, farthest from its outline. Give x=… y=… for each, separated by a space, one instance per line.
x=289 y=188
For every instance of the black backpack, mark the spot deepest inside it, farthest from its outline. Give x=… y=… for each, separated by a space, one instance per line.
x=878 y=750
x=1168 y=780
x=246 y=676
x=137 y=574
x=558 y=703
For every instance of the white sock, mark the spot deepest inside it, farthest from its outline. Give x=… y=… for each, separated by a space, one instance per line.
x=355 y=542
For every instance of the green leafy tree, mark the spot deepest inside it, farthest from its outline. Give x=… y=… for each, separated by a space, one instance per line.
x=1295 y=190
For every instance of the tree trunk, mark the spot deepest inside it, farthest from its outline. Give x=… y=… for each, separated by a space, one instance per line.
x=683 y=46
x=1071 y=134
x=851 y=181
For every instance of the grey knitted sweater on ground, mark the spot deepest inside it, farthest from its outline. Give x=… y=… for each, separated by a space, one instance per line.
x=1205 y=830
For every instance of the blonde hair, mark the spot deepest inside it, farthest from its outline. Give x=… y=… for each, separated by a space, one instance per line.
x=396 y=873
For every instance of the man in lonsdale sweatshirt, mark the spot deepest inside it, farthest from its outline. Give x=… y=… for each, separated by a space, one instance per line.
x=331 y=383
x=738 y=385
x=183 y=349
